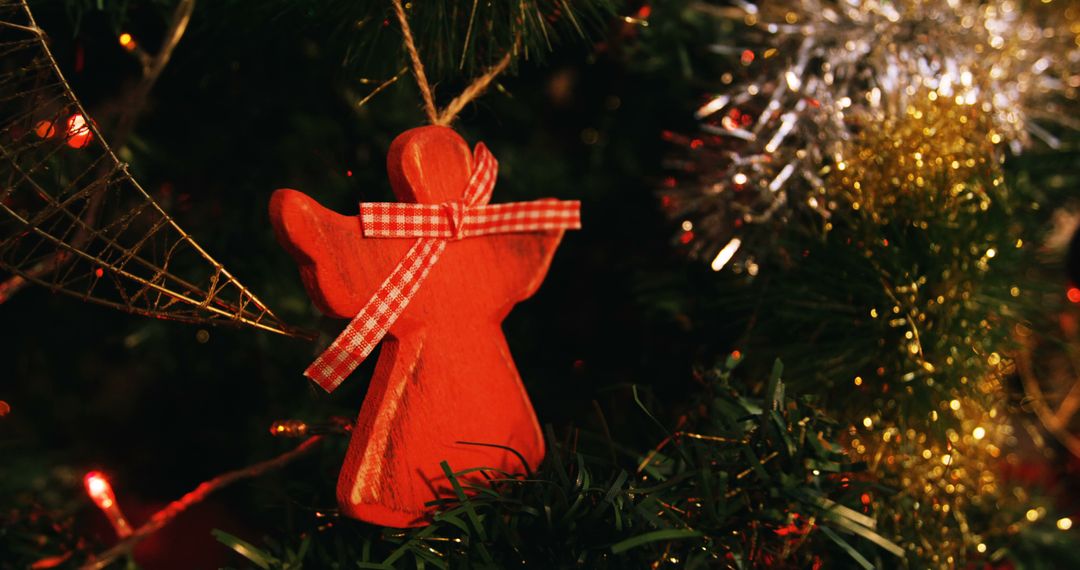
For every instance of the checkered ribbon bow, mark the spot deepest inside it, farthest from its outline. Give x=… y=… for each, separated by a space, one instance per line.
x=433 y=225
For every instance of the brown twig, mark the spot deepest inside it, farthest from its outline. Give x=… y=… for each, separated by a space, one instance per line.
x=170 y=512
x=125 y=125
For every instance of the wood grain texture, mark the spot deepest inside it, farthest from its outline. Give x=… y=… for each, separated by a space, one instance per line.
x=445 y=374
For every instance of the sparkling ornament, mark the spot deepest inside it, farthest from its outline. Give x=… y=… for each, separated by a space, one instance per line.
x=948 y=481
x=821 y=73
x=937 y=156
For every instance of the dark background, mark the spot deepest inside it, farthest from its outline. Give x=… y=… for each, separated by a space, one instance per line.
x=243 y=109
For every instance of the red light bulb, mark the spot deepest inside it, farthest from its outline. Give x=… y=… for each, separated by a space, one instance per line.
x=78 y=131
x=100 y=491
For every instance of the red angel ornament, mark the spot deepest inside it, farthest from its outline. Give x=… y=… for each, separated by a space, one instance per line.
x=436 y=273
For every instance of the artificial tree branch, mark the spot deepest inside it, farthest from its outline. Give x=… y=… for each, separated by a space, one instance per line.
x=170 y=512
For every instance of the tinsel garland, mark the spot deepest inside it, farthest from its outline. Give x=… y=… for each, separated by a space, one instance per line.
x=813 y=75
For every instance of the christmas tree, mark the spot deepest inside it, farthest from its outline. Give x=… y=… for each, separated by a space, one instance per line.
x=821 y=311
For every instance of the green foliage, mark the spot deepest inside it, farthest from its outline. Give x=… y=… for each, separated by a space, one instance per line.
x=857 y=299
x=41 y=524
x=456 y=38
x=251 y=103
x=739 y=482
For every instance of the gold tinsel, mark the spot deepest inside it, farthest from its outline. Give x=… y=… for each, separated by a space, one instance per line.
x=952 y=505
x=937 y=168
x=939 y=155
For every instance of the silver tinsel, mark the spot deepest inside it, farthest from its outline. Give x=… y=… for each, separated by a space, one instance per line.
x=809 y=75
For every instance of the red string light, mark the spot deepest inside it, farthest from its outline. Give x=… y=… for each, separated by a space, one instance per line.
x=45 y=129
x=100 y=491
x=78 y=131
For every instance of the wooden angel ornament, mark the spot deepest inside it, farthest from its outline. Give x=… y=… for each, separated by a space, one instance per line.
x=436 y=273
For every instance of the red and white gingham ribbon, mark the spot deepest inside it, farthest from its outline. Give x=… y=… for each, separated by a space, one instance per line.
x=434 y=225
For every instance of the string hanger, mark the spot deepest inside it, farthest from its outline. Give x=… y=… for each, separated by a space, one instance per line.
x=478 y=86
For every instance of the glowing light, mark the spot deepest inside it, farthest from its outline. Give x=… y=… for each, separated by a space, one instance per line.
x=1032 y=515
x=726 y=254
x=97 y=486
x=793 y=81
x=867 y=422
x=954 y=405
x=739 y=179
x=78 y=131
x=289 y=428
x=714 y=105
x=1064 y=523
x=978 y=433
x=787 y=122
x=782 y=177
x=980 y=547
x=101 y=493
x=1073 y=294
x=45 y=129
x=127 y=42
x=858 y=380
